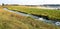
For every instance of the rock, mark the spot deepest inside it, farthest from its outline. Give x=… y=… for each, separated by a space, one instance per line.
x=41 y=19
x=57 y=23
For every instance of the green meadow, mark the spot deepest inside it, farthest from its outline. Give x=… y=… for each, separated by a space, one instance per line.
x=52 y=14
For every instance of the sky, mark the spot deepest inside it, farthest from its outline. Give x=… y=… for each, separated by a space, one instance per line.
x=30 y=2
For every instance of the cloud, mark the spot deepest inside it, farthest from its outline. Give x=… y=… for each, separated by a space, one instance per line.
x=33 y=2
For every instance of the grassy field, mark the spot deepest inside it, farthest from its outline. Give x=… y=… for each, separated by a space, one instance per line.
x=10 y=20
x=52 y=14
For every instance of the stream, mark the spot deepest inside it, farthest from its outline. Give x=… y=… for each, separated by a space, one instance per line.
x=35 y=17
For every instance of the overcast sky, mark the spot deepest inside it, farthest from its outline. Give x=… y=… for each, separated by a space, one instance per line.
x=30 y=2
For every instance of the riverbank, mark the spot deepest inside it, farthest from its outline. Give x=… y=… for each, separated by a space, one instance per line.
x=10 y=20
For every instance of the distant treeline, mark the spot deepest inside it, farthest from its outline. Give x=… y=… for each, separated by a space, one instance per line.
x=51 y=5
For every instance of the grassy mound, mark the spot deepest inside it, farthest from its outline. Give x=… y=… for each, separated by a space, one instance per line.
x=9 y=21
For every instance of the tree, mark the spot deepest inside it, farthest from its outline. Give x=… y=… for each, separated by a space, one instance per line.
x=2 y=4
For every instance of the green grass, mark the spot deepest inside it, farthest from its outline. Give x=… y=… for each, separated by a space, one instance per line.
x=52 y=14
x=10 y=20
